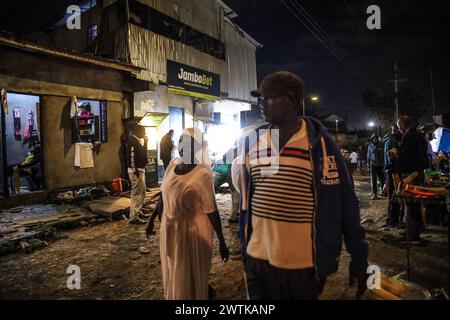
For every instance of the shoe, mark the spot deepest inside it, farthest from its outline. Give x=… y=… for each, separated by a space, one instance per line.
x=137 y=221
x=374 y=197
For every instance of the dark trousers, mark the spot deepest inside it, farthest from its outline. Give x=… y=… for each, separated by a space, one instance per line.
x=362 y=164
x=354 y=167
x=266 y=282
x=413 y=213
x=166 y=163
x=375 y=174
x=393 y=215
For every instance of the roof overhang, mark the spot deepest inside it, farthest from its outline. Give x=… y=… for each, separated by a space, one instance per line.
x=11 y=41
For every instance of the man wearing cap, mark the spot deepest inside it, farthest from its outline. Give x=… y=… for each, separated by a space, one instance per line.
x=297 y=202
x=136 y=163
x=375 y=160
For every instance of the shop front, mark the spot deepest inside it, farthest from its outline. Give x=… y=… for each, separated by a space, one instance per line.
x=191 y=99
x=61 y=125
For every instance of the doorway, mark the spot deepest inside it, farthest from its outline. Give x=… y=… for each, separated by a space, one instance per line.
x=21 y=145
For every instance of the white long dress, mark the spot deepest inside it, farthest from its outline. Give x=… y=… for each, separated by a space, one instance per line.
x=186 y=233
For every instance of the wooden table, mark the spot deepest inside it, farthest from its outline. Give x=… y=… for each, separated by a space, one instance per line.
x=408 y=198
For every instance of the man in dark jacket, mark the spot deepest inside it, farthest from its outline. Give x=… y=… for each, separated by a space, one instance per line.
x=297 y=201
x=375 y=160
x=166 y=147
x=391 y=149
x=136 y=163
x=412 y=158
x=362 y=159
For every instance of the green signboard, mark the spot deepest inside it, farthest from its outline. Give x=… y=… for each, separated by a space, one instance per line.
x=189 y=81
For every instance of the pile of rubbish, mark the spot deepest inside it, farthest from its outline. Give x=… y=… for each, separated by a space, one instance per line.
x=82 y=194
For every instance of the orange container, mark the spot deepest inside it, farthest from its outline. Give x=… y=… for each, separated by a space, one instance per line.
x=117 y=185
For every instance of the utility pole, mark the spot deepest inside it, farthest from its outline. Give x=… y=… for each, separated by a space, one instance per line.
x=396 y=90
x=432 y=97
x=337 y=131
x=304 y=107
x=396 y=82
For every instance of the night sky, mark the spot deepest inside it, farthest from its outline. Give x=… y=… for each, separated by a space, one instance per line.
x=414 y=33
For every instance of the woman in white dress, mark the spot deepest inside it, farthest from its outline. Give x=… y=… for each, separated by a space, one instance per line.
x=189 y=216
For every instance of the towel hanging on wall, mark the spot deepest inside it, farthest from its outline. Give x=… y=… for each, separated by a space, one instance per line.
x=74 y=107
x=83 y=155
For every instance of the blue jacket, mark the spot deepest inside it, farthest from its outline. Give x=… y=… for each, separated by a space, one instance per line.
x=336 y=216
x=390 y=141
x=375 y=155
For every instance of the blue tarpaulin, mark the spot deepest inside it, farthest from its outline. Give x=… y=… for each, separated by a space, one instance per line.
x=442 y=140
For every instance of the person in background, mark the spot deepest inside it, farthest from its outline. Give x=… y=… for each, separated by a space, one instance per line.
x=391 y=150
x=362 y=157
x=166 y=146
x=222 y=174
x=430 y=152
x=189 y=215
x=236 y=169
x=85 y=110
x=30 y=167
x=412 y=158
x=136 y=163
x=375 y=160
x=354 y=160
x=444 y=162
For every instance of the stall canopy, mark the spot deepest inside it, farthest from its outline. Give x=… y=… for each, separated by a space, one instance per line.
x=442 y=140
x=153 y=119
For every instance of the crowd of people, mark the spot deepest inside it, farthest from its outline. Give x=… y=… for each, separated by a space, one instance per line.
x=403 y=151
x=294 y=201
x=307 y=201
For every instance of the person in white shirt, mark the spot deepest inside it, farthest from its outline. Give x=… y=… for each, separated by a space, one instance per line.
x=354 y=160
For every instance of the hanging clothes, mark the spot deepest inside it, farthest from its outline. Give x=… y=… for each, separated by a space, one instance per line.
x=17 y=124
x=74 y=111
x=83 y=155
x=29 y=130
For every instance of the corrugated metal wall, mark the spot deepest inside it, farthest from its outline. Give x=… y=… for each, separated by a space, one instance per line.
x=241 y=62
x=151 y=51
x=202 y=15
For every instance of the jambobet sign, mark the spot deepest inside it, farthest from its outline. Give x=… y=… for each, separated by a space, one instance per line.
x=189 y=81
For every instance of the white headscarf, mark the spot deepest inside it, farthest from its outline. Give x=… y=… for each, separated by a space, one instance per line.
x=201 y=156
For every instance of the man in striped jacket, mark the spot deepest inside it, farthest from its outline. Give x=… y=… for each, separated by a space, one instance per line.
x=297 y=201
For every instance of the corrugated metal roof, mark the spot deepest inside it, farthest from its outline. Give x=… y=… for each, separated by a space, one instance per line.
x=24 y=44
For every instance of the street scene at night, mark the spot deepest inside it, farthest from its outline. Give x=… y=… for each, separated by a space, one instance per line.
x=224 y=150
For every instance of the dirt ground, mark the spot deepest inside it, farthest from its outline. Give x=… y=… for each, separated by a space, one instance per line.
x=118 y=262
